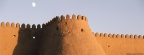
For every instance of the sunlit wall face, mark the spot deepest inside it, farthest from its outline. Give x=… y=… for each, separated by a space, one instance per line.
x=109 y=16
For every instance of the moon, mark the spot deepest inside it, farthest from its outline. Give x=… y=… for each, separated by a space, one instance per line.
x=33 y=4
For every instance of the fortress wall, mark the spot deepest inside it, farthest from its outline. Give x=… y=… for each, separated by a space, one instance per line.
x=67 y=35
x=8 y=37
x=28 y=40
x=18 y=40
x=53 y=33
x=120 y=44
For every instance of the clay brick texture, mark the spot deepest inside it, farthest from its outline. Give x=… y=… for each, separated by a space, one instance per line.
x=65 y=35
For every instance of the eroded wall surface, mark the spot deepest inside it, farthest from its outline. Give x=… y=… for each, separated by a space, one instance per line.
x=8 y=38
x=69 y=36
x=120 y=44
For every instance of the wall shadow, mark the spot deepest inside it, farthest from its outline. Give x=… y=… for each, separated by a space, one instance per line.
x=44 y=41
x=28 y=42
x=51 y=43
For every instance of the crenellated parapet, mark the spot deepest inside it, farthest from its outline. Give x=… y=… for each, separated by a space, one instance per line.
x=51 y=23
x=79 y=17
x=66 y=18
x=119 y=35
x=7 y=24
x=33 y=26
x=121 y=44
x=23 y=26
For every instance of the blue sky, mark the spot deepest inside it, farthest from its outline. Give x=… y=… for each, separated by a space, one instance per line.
x=107 y=16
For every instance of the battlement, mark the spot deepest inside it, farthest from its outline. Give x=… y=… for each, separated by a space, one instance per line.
x=49 y=23
x=119 y=35
x=66 y=18
x=7 y=24
x=17 y=25
x=33 y=26
x=121 y=44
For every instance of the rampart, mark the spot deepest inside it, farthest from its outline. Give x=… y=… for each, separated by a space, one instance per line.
x=65 y=36
x=120 y=44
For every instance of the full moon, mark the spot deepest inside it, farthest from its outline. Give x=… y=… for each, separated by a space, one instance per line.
x=33 y=4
